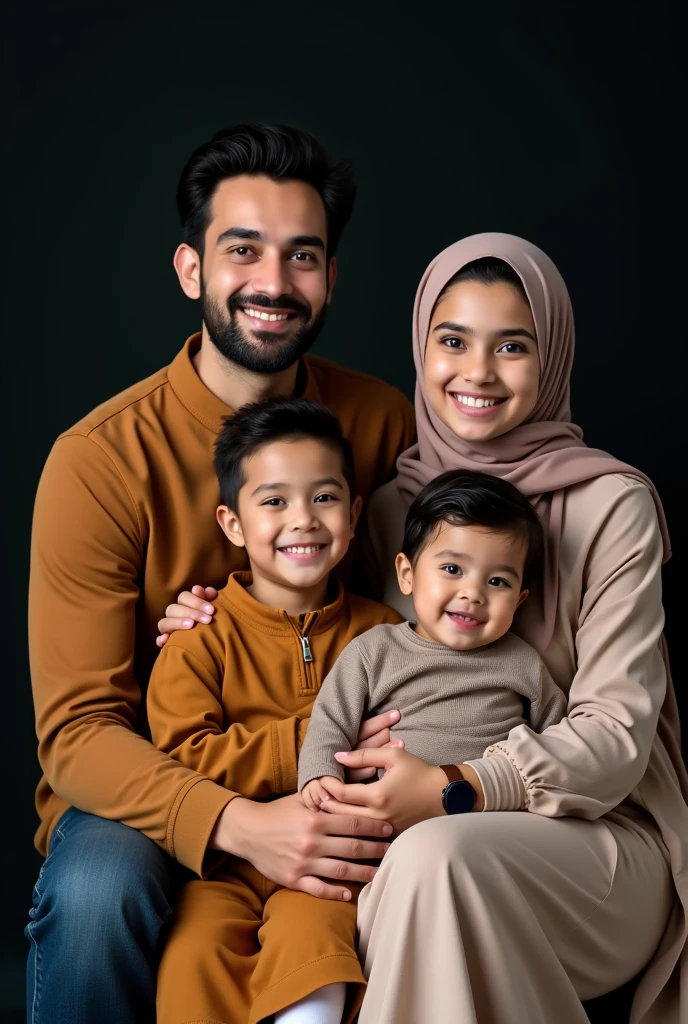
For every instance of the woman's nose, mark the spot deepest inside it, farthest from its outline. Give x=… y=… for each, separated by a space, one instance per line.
x=477 y=368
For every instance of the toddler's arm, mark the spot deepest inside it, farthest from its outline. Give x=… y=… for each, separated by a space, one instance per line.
x=336 y=717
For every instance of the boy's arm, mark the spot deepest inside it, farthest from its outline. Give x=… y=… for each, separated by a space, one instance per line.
x=86 y=556
x=187 y=721
x=548 y=703
x=336 y=717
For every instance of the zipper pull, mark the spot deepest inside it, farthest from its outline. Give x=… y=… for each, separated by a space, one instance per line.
x=307 y=653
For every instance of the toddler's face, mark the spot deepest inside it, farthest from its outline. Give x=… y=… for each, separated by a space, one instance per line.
x=295 y=514
x=466 y=585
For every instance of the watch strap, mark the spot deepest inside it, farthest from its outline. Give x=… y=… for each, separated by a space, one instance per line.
x=453 y=772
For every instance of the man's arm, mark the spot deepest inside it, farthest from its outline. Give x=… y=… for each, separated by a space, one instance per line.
x=86 y=556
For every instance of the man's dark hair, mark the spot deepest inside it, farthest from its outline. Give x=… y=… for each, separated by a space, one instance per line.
x=278 y=151
x=487 y=270
x=462 y=497
x=278 y=419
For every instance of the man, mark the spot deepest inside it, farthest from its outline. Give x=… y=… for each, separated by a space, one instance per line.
x=124 y=520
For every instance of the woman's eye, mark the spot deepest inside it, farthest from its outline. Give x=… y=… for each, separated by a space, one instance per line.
x=497 y=581
x=512 y=347
x=452 y=342
x=453 y=570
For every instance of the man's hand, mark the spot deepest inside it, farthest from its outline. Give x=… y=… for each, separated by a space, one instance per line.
x=298 y=848
x=313 y=793
x=374 y=732
x=191 y=607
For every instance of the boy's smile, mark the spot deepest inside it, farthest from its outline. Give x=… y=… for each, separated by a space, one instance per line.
x=295 y=518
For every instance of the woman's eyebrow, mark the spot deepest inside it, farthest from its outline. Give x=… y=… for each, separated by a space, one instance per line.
x=504 y=332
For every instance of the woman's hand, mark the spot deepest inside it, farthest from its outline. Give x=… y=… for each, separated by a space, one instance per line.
x=192 y=606
x=374 y=732
x=410 y=790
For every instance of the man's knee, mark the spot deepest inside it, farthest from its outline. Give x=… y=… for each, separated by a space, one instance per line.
x=103 y=873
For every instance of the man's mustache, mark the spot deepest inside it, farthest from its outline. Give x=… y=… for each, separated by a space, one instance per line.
x=285 y=302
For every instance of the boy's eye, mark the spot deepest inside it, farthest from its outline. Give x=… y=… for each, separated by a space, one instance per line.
x=453 y=570
x=273 y=502
x=497 y=581
x=325 y=497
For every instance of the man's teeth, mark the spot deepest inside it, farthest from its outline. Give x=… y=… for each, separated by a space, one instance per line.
x=305 y=549
x=265 y=316
x=478 y=403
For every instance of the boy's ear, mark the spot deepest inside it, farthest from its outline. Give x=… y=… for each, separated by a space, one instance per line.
x=521 y=597
x=230 y=525
x=404 y=573
x=356 y=506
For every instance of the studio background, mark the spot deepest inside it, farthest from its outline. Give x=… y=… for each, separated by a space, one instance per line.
x=556 y=123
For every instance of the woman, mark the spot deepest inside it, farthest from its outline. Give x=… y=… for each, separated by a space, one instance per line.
x=571 y=886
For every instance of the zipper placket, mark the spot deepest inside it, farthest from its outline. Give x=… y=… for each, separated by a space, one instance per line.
x=306 y=650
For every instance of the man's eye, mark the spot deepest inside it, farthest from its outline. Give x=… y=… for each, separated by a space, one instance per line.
x=497 y=581
x=453 y=570
x=303 y=257
x=242 y=250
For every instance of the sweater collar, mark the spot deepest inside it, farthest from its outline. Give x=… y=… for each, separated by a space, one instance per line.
x=202 y=403
x=275 y=620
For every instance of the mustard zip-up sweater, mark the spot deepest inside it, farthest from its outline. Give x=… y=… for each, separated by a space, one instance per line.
x=124 y=520
x=232 y=699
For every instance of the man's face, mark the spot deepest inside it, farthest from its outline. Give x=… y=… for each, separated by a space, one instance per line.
x=265 y=284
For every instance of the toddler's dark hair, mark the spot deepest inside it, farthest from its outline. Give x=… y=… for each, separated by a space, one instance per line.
x=462 y=497
x=277 y=419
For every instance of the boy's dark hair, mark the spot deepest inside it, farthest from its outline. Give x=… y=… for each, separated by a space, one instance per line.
x=278 y=419
x=279 y=151
x=487 y=270
x=462 y=497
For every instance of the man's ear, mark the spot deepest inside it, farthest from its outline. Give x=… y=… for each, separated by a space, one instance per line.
x=356 y=506
x=331 y=278
x=404 y=573
x=187 y=263
x=521 y=597
x=230 y=525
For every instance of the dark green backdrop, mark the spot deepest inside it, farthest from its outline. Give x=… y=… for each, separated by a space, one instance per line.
x=545 y=121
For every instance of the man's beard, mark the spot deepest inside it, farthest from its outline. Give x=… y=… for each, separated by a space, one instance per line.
x=264 y=352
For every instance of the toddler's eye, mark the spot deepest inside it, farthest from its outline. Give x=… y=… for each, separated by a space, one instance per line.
x=497 y=581
x=453 y=570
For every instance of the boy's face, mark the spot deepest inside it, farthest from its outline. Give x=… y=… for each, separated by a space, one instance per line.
x=466 y=585
x=295 y=517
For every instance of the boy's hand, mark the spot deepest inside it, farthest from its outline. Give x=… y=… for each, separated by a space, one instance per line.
x=191 y=607
x=314 y=793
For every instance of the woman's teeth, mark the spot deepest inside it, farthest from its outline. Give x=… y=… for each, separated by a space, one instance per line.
x=308 y=549
x=265 y=316
x=477 y=403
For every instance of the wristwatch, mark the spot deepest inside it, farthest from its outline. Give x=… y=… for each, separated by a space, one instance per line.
x=458 y=796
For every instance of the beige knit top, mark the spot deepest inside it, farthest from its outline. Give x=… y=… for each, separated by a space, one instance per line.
x=605 y=757
x=453 y=703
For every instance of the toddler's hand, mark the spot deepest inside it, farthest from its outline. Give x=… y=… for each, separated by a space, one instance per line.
x=314 y=793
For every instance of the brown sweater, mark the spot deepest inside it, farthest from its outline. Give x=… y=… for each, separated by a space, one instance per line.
x=232 y=699
x=124 y=520
x=453 y=703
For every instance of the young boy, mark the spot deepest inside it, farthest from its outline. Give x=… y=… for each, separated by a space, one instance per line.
x=459 y=678
x=231 y=700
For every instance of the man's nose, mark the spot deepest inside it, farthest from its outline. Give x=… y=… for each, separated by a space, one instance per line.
x=271 y=277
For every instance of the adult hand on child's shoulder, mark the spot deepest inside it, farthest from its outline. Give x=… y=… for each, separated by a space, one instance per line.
x=191 y=606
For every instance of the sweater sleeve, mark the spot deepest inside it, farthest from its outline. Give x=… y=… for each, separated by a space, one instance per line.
x=85 y=561
x=336 y=717
x=593 y=759
x=188 y=721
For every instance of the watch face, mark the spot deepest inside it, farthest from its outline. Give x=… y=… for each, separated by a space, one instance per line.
x=459 y=797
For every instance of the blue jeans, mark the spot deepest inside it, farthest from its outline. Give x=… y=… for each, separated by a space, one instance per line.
x=101 y=904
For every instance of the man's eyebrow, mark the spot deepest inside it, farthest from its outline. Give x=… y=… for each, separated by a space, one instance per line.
x=247 y=234
x=461 y=556
x=314 y=241
x=330 y=481
x=505 y=332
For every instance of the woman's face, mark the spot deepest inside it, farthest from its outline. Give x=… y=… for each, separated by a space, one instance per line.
x=482 y=368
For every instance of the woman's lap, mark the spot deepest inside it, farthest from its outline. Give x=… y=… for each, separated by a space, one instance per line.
x=475 y=905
